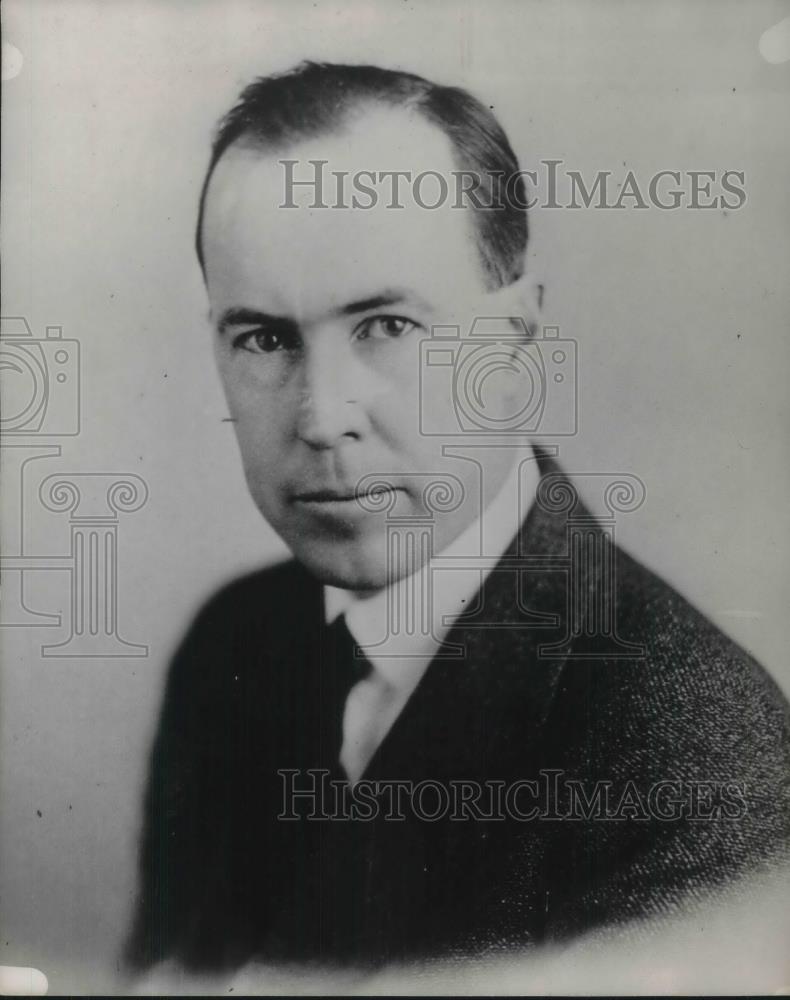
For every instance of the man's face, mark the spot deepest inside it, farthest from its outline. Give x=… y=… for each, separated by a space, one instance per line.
x=318 y=317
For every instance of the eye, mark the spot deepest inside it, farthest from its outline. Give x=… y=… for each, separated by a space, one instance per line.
x=384 y=328
x=265 y=340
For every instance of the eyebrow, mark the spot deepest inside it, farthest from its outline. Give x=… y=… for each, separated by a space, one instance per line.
x=389 y=297
x=242 y=315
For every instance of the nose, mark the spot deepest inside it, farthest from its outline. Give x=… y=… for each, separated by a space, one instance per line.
x=330 y=405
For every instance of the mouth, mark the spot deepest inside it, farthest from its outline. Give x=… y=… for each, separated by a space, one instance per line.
x=339 y=499
x=323 y=496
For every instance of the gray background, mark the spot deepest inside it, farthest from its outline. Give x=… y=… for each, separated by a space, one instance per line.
x=681 y=318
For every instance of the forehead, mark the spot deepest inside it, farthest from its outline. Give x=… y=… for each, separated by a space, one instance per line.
x=308 y=259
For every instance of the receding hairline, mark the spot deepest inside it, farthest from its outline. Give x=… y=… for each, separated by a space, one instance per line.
x=475 y=138
x=249 y=149
x=340 y=123
x=258 y=142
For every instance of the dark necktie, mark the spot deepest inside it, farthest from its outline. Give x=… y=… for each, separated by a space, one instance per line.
x=340 y=669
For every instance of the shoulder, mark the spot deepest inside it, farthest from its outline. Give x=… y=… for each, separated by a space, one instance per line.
x=693 y=716
x=691 y=698
x=266 y=598
x=239 y=629
x=611 y=601
x=274 y=584
x=685 y=655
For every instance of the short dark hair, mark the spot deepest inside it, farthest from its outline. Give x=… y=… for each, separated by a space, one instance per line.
x=315 y=97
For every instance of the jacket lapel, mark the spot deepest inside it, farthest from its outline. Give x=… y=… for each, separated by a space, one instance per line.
x=476 y=716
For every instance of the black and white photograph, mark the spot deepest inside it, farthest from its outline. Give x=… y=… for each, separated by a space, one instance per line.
x=395 y=453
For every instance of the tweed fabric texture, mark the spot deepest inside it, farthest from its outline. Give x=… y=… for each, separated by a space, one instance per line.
x=224 y=879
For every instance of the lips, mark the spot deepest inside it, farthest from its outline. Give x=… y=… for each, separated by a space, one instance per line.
x=325 y=496
x=330 y=496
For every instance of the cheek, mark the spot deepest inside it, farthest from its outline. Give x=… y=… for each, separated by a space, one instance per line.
x=406 y=419
x=260 y=438
x=252 y=406
x=396 y=419
x=260 y=431
x=263 y=462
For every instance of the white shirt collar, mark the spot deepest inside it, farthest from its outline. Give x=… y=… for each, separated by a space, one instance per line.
x=453 y=586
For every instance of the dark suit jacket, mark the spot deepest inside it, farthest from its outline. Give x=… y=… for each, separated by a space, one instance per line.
x=663 y=705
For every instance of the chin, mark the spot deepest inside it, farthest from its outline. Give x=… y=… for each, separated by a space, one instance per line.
x=349 y=570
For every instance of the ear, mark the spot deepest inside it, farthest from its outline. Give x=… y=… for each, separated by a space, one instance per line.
x=521 y=300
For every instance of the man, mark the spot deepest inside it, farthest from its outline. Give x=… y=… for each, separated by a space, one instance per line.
x=455 y=623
